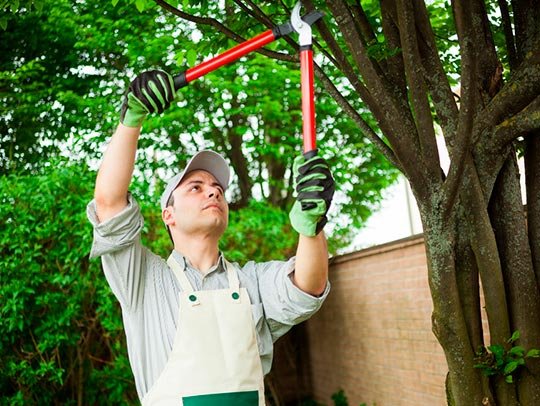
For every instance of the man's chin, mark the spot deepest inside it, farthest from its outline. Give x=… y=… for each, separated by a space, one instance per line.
x=217 y=225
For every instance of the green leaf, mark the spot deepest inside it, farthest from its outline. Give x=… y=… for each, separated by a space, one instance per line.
x=114 y=2
x=191 y=57
x=179 y=58
x=140 y=4
x=534 y=353
x=515 y=336
x=518 y=351
x=3 y=23
x=509 y=379
x=510 y=367
x=497 y=350
x=38 y=4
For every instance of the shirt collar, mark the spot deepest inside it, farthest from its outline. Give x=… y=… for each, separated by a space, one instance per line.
x=185 y=264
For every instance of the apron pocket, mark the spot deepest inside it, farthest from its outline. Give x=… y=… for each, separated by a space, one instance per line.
x=249 y=398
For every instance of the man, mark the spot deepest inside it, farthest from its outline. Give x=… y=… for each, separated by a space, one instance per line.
x=200 y=330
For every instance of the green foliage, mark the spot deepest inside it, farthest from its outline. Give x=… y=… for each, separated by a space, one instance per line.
x=340 y=399
x=310 y=402
x=259 y=233
x=14 y=6
x=504 y=360
x=380 y=50
x=61 y=333
x=63 y=70
x=57 y=102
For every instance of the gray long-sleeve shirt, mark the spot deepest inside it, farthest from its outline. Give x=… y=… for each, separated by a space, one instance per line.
x=148 y=293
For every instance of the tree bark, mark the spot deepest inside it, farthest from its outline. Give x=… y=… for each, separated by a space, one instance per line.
x=449 y=325
x=532 y=174
x=508 y=219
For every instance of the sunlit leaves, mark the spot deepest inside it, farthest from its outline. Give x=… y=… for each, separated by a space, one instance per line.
x=57 y=311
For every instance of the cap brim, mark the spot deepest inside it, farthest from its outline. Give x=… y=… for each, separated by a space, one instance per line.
x=206 y=160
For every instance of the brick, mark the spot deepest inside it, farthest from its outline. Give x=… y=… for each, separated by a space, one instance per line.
x=373 y=337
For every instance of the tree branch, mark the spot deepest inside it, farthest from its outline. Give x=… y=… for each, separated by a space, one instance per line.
x=256 y=12
x=508 y=33
x=341 y=62
x=357 y=47
x=526 y=15
x=395 y=68
x=467 y=108
x=417 y=88
x=484 y=246
x=362 y=23
x=357 y=118
x=394 y=114
x=238 y=160
x=522 y=88
x=532 y=174
x=223 y=29
x=443 y=98
x=364 y=30
x=526 y=121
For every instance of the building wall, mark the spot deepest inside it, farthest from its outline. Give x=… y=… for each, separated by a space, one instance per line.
x=372 y=338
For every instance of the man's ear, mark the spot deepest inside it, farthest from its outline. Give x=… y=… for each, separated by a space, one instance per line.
x=167 y=216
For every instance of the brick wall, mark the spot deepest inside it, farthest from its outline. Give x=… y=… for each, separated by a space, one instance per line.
x=373 y=336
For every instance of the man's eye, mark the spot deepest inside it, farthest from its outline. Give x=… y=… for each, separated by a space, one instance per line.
x=195 y=188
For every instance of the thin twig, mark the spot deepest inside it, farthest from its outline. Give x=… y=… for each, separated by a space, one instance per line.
x=223 y=29
x=357 y=118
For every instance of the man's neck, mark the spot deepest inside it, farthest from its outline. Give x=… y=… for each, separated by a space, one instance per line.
x=202 y=253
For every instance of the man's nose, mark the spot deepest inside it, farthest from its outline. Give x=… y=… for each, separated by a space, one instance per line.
x=214 y=191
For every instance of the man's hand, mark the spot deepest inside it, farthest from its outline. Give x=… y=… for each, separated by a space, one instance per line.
x=150 y=92
x=315 y=188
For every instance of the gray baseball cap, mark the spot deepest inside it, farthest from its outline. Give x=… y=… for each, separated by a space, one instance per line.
x=206 y=160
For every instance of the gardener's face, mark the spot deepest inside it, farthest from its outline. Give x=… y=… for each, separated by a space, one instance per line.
x=199 y=206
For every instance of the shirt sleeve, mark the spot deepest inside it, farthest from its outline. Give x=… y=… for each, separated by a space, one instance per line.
x=117 y=241
x=283 y=302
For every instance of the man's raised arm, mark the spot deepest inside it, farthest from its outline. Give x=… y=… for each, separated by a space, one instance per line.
x=150 y=92
x=114 y=175
x=315 y=188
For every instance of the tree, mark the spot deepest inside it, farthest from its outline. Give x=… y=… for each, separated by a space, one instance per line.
x=398 y=59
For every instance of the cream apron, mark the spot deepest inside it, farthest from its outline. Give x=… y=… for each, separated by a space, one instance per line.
x=215 y=359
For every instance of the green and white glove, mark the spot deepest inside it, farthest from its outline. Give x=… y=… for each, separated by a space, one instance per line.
x=315 y=188
x=150 y=92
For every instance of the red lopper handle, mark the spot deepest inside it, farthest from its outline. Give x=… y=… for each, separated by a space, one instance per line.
x=230 y=55
x=308 y=103
x=182 y=79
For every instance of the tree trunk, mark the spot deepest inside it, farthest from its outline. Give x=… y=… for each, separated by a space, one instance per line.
x=495 y=245
x=508 y=219
x=532 y=174
x=464 y=383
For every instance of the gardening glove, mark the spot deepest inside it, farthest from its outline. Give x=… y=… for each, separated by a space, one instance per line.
x=314 y=187
x=150 y=92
